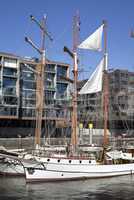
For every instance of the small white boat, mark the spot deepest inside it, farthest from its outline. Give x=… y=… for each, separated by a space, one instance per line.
x=11 y=167
x=14 y=166
x=11 y=162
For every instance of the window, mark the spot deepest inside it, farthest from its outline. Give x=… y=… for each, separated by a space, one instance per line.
x=10 y=62
x=61 y=71
x=9 y=86
x=28 y=112
x=61 y=88
x=50 y=67
x=9 y=71
x=10 y=100
x=9 y=82
x=8 y=111
x=49 y=95
x=29 y=85
x=27 y=69
x=28 y=76
x=9 y=91
x=30 y=94
x=28 y=103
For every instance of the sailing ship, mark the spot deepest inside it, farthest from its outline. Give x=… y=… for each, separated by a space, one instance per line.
x=75 y=166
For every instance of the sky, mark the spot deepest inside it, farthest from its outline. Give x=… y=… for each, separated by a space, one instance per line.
x=15 y=24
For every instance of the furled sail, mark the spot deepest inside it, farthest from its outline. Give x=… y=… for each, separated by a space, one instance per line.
x=94 y=83
x=94 y=41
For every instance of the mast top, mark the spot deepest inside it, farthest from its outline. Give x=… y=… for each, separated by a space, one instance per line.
x=105 y=36
x=76 y=29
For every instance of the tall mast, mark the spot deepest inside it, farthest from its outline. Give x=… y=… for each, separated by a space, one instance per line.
x=105 y=89
x=40 y=68
x=75 y=73
x=40 y=87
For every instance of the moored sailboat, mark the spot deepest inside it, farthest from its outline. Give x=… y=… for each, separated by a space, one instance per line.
x=75 y=166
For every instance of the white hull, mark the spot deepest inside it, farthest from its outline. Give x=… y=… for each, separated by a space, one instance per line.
x=11 y=169
x=63 y=170
x=11 y=166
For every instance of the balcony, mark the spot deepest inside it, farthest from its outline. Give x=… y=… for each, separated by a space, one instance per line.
x=50 y=68
x=50 y=87
x=28 y=76
x=9 y=91
x=28 y=103
x=6 y=111
x=9 y=72
x=60 y=79
x=10 y=100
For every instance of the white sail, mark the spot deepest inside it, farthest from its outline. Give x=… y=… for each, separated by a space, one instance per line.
x=94 y=41
x=94 y=83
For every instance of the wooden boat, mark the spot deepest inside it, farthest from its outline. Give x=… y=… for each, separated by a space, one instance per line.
x=76 y=167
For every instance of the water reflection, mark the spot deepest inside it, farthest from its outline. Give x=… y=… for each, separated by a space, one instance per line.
x=97 y=189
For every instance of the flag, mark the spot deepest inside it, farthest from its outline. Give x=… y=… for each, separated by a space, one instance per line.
x=94 y=41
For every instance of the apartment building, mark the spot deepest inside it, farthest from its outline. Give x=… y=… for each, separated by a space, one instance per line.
x=18 y=92
x=121 y=103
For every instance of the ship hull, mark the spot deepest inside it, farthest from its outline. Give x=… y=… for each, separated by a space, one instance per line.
x=11 y=166
x=64 y=170
x=11 y=169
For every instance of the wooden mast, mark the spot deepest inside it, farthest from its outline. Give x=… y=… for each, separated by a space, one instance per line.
x=40 y=88
x=74 y=139
x=40 y=68
x=105 y=88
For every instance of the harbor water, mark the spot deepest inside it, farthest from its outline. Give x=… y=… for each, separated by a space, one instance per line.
x=97 y=189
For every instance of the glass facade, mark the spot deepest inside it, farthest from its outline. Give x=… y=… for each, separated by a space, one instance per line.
x=27 y=90
x=8 y=86
x=62 y=84
x=49 y=81
x=18 y=87
x=9 y=72
x=18 y=94
x=61 y=90
x=50 y=68
x=61 y=71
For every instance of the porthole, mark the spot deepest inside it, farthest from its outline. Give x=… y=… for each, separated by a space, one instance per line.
x=89 y=161
x=48 y=159
x=80 y=161
x=70 y=161
x=58 y=160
